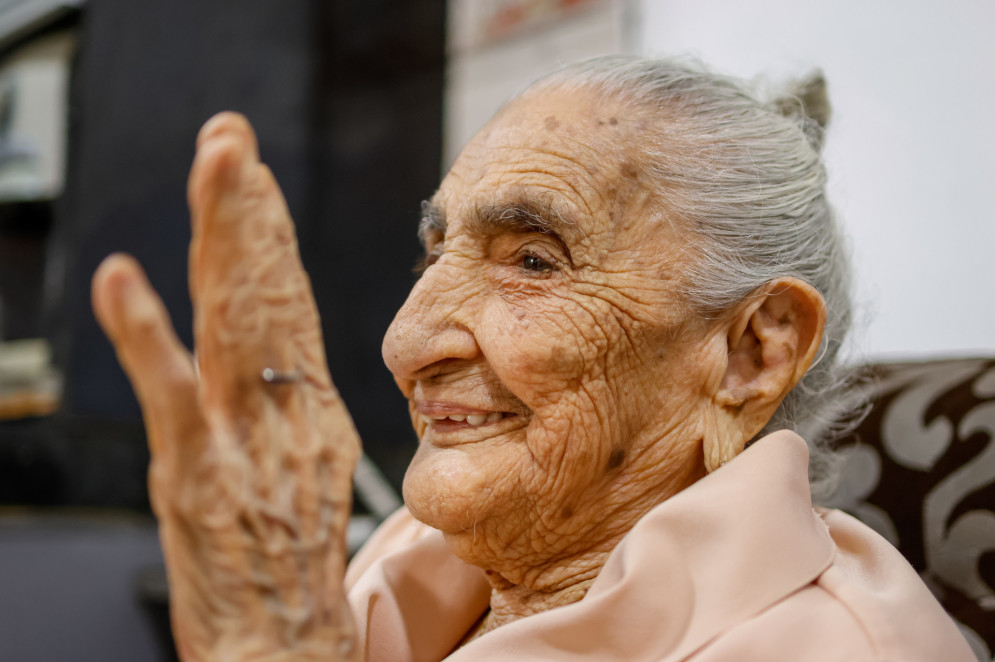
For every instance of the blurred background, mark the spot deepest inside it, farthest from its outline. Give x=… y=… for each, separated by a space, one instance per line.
x=360 y=105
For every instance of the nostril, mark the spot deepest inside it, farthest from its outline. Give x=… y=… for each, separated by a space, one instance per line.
x=412 y=350
x=439 y=368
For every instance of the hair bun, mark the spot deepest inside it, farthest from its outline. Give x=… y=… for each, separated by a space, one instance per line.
x=807 y=99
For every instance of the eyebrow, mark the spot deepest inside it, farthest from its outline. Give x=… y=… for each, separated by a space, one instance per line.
x=516 y=216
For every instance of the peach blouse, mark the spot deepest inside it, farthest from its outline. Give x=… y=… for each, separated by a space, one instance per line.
x=737 y=567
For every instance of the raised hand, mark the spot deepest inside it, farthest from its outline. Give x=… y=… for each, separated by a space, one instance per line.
x=252 y=450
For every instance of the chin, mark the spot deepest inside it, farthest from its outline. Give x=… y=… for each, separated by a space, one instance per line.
x=444 y=489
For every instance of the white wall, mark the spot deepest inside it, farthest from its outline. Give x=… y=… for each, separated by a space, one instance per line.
x=481 y=77
x=911 y=150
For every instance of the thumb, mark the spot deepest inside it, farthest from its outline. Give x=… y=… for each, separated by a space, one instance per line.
x=136 y=322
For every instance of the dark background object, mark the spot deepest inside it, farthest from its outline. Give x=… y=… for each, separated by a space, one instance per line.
x=23 y=229
x=346 y=97
x=347 y=100
x=71 y=587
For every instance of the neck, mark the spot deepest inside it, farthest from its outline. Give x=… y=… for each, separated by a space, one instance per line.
x=536 y=583
x=510 y=602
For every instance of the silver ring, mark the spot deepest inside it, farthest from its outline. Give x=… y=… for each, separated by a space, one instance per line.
x=271 y=376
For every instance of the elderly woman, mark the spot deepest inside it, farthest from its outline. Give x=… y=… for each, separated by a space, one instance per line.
x=630 y=274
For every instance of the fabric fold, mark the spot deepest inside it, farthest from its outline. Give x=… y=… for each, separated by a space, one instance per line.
x=739 y=566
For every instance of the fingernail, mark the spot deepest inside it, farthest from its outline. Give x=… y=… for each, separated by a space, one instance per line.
x=211 y=127
x=223 y=122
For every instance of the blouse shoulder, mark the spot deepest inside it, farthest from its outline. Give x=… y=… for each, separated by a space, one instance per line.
x=886 y=596
x=397 y=532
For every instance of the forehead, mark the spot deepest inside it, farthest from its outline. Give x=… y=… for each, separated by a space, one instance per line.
x=566 y=151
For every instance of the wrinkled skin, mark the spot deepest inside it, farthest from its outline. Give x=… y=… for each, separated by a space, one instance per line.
x=580 y=340
x=250 y=481
x=559 y=386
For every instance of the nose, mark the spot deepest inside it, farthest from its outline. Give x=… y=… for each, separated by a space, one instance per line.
x=433 y=326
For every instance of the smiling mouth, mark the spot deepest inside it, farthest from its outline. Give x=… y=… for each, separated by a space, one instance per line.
x=444 y=422
x=453 y=422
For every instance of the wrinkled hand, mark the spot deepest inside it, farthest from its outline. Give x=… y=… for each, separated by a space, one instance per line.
x=251 y=481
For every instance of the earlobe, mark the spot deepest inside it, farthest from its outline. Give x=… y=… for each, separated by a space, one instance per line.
x=721 y=440
x=772 y=340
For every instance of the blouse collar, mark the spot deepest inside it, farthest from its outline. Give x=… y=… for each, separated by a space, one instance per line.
x=722 y=550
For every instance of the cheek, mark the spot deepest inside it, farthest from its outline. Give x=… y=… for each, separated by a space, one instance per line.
x=557 y=347
x=559 y=362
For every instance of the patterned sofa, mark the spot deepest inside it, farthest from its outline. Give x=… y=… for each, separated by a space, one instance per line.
x=920 y=469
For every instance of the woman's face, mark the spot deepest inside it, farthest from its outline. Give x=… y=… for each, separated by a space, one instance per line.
x=555 y=379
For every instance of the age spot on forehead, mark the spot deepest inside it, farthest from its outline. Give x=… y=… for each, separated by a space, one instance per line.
x=552 y=123
x=616 y=458
x=629 y=171
x=567 y=512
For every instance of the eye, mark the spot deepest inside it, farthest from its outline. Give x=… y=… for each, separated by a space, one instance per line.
x=534 y=263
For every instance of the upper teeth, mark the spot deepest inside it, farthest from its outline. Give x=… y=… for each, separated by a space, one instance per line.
x=472 y=419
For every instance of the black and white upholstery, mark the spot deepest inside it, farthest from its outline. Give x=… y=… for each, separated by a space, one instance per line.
x=920 y=469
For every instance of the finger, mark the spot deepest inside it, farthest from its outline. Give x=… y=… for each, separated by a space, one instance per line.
x=137 y=324
x=225 y=122
x=254 y=310
x=253 y=303
x=227 y=151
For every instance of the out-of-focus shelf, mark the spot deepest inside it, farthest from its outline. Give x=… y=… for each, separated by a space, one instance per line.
x=27 y=403
x=29 y=386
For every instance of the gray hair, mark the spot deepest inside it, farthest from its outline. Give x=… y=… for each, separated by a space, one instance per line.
x=746 y=176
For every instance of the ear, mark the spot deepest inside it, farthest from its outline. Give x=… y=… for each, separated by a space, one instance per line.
x=772 y=340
